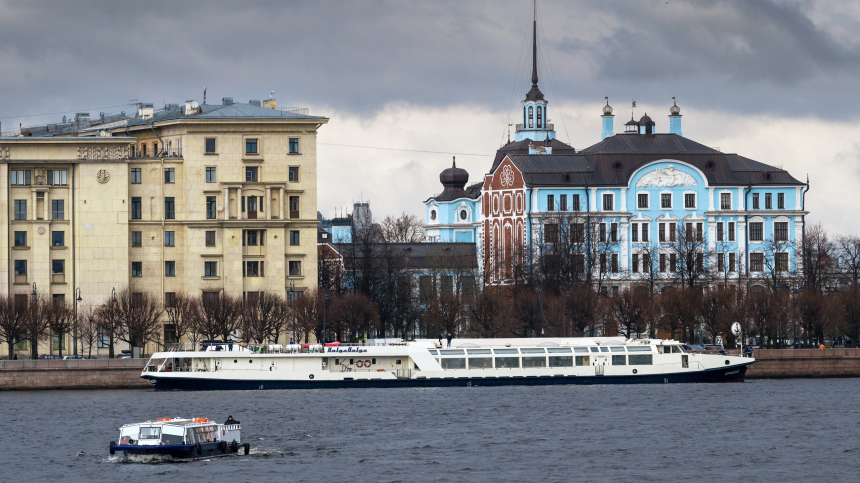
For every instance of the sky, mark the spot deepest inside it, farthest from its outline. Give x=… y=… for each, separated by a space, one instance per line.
x=772 y=80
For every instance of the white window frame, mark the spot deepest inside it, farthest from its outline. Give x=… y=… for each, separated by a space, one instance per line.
x=647 y=200
x=731 y=204
x=671 y=200
x=695 y=200
x=602 y=195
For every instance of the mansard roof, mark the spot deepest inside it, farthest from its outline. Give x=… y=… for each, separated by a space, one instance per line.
x=613 y=161
x=522 y=147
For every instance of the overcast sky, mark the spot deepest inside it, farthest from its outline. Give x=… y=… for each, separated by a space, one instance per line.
x=776 y=81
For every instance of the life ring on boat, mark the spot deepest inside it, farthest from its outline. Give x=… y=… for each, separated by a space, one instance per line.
x=247 y=448
x=162 y=419
x=367 y=363
x=199 y=448
x=112 y=450
x=311 y=376
x=223 y=446
x=234 y=446
x=202 y=420
x=359 y=364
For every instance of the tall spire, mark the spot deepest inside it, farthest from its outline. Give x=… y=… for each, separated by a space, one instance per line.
x=535 y=93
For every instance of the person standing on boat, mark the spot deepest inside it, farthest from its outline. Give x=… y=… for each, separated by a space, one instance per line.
x=440 y=339
x=449 y=339
x=230 y=420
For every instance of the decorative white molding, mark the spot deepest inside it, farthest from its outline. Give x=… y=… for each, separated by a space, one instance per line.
x=666 y=177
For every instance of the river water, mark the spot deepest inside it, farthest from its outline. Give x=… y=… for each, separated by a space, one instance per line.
x=761 y=430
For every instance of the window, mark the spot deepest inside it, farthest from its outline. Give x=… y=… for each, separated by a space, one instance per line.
x=642 y=201
x=210 y=145
x=170 y=238
x=135 y=176
x=294 y=237
x=170 y=338
x=550 y=234
x=644 y=232
x=136 y=239
x=607 y=201
x=211 y=202
x=661 y=232
x=721 y=262
x=688 y=232
x=673 y=262
x=665 y=200
x=58 y=210
x=768 y=201
x=169 y=175
x=634 y=263
x=59 y=300
x=251 y=146
x=699 y=232
x=251 y=173
x=640 y=359
x=58 y=267
x=562 y=202
x=294 y=145
x=539 y=116
x=253 y=269
x=170 y=268
x=731 y=231
x=757 y=231
x=294 y=206
x=210 y=238
x=720 y=231
x=671 y=232
x=725 y=201
x=613 y=232
x=634 y=232
x=20 y=209
x=756 y=262
x=58 y=177
x=780 y=231
x=210 y=174
x=531 y=117
x=20 y=177
x=577 y=233
x=602 y=263
x=169 y=208
x=689 y=200
x=732 y=257
x=755 y=201
x=614 y=263
x=21 y=238
x=700 y=262
x=601 y=232
x=663 y=262
x=136 y=269
x=550 y=202
x=136 y=208
x=210 y=269
x=574 y=202
x=780 y=201
x=294 y=174
x=426 y=288
x=781 y=261
x=295 y=268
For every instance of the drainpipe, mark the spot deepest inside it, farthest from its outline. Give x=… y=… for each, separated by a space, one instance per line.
x=747 y=190
x=159 y=139
x=803 y=218
x=588 y=224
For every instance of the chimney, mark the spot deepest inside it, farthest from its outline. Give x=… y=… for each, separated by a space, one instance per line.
x=254 y=103
x=270 y=103
x=227 y=101
x=191 y=107
x=144 y=110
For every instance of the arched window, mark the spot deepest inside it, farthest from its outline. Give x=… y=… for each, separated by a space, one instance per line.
x=531 y=117
x=540 y=117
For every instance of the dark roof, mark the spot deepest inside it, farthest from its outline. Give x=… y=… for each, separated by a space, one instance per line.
x=613 y=161
x=423 y=255
x=522 y=147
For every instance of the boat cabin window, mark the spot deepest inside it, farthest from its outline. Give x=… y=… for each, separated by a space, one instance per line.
x=505 y=351
x=150 y=432
x=533 y=351
x=172 y=434
x=595 y=349
x=534 y=361
x=453 y=363
x=560 y=361
x=604 y=349
x=640 y=359
x=619 y=360
x=478 y=351
x=507 y=362
x=434 y=352
x=639 y=348
x=580 y=350
x=480 y=363
x=398 y=362
x=558 y=350
x=582 y=361
x=451 y=352
x=676 y=349
x=128 y=434
x=616 y=348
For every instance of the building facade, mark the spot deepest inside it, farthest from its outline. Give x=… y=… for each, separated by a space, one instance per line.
x=200 y=199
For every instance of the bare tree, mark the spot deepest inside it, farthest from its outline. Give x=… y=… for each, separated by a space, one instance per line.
x=12 y=328
x=307 y=313
x=628 y=309
x=483 y=312
x=181 y=315
x=60 y=322
x=110 y=323
x=817 y=252
x=140 y=318
x=219 y=316
x=35 y=323
x=88 y=330
x=263 y=318
x=405 y=228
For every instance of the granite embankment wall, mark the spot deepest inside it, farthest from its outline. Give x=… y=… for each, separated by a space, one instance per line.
x=73 y=374
x=779 y=363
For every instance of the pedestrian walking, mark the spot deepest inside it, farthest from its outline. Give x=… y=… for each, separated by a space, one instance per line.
x=449 y=339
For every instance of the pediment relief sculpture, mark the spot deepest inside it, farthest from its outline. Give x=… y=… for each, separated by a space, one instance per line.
x=666 y=177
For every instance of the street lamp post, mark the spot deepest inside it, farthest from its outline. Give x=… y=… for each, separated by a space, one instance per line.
x=564 y=310
x=325 y=299
x=35 y=293
x=291 y=295
x=77 y=299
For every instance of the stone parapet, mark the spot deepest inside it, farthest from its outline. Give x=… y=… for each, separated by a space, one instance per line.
x=784 y=363
x=72 y=374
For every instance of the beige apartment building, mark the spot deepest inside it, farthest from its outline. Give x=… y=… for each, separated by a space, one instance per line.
x=200 y=198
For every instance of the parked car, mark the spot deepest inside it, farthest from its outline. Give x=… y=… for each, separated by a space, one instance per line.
x=72 y=357
x=694 y=347
x=48 y=356
x=123 y=356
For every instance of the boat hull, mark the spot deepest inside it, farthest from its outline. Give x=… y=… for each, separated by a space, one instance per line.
x=179 y=451
x=733 y=373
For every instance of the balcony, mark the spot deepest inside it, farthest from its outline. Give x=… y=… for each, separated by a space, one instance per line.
x=165 y=153
x=548 y=127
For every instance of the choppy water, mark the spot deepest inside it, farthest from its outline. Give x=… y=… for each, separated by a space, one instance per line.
x=770 y=430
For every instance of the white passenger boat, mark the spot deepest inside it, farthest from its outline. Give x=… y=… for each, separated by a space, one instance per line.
x=180 y=438
x=422 y=363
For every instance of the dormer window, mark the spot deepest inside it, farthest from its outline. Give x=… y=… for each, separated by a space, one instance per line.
x=539 y=117
x=531 y=117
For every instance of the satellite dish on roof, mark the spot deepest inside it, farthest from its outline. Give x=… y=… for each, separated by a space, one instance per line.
x=736 y=329
x=194 y=105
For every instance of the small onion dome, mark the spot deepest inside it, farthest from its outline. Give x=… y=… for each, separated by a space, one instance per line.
x=607 y=109
x=675 y=110
x=454 y=177
x=645 y=120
